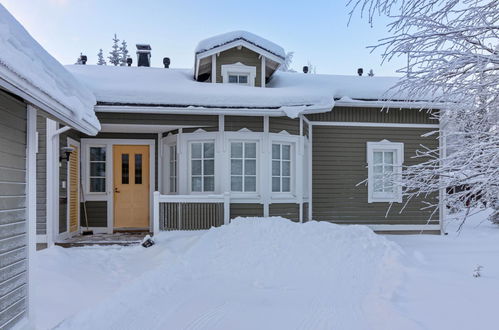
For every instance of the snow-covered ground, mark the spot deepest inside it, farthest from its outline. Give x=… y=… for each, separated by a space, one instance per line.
x=275 y=274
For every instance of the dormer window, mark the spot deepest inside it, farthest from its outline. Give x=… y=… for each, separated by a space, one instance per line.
x=241 y=79
x=239 y=73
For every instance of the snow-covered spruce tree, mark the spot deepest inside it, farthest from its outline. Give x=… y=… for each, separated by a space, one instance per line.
x=114 y=54
x=78 y=60
x=286 y=66
x=453 y=50
x=123 y=53
x=100 y=58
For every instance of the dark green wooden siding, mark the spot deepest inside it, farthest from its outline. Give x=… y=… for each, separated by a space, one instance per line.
x=246 y=210
x=289 y=211
x=243 y=55
x=339 y=164
x=96 y=214
x=375 y=115
x=278 y=124
x=13 y=235
x=235 y=123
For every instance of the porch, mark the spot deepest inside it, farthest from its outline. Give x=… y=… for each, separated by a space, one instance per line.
x=118 y=238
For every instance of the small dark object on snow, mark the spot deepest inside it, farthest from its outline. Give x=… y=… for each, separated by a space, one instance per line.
x=147 y=241
x=305 y=69
x=83 y=59
x=129 y=61
x=166 y=62
x=360 y=71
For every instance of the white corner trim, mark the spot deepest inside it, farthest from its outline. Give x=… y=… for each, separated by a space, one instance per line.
x=239 y=68
x=368 y=124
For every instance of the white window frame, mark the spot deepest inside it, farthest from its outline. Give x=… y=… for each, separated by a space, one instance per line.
x=257 y=159
x=385 y=146
x=239 y=69
x=87 y=168
x=172 y=161
x=281 y=176
x=189 y=159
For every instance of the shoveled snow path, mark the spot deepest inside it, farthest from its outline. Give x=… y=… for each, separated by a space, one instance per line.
x=259 y=274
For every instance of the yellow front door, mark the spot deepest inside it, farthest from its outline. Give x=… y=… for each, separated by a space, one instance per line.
x=74 y=188
x=131 y=186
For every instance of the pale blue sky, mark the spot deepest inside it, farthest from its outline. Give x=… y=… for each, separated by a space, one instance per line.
x=316 y=31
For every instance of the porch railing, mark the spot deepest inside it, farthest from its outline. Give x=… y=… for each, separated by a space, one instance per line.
x=190 y=212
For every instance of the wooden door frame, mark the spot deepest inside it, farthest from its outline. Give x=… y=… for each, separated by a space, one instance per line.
x=108 y=196
x=68 y=232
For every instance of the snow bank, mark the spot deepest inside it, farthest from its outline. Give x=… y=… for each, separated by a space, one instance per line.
x=25 y=64
x=258 y=273
x=225 y=38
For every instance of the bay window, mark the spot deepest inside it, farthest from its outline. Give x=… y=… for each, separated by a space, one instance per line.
x=281 y=167
x=243 y=166
x=202 y=166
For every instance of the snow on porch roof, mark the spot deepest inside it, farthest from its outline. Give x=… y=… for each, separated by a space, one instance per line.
x=289 y=93
x=28 y=68
x=226 y=38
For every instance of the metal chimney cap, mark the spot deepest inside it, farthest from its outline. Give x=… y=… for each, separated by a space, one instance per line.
x=360 y=71
x=166 y=62
x=305 y=69
x=83 y=59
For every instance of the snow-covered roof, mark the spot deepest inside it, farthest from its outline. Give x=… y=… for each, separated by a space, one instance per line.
x=26 y=67
x=226 y=38
x=289 y=93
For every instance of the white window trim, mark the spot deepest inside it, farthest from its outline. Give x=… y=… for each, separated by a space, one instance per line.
x=247 y=194
x=240 y=69
x=189 y=166
x=87 y=169
x=168 y=170
x=385 y=145
x=285 y=138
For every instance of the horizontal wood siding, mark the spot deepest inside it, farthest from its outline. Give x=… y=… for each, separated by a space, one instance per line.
x=13 y=225
x=235 y=123
x=96 y=213
x=246 y=210
x=278 y=124
x=244 y=56
x=41 y=176
x=289 y=211
x=375 y=115
x=208 y=123
x=339 y=164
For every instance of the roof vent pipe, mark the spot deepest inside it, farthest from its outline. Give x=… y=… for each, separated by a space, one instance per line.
x=129 y=61
x=305 y=69
x=143 y=55
x=360 y=71
x=166 y=62
x=83 y=59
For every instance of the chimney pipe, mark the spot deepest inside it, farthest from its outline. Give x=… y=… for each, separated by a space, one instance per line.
x=305 y=69
x=129 y=61
x=166 y=62
x=83 y=59
x=360 y=71
x=143 y=55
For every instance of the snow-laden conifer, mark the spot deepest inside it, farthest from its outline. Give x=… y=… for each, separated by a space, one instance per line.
x=115 y=53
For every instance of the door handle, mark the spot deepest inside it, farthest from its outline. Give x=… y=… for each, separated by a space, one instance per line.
x=116 y=190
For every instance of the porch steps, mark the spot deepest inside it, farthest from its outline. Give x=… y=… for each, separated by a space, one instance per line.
x=127 y=238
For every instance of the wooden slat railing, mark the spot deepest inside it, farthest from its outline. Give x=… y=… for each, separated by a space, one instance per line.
x=190 y=212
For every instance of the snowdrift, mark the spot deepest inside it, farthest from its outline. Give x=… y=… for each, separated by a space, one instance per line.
x=258 y=273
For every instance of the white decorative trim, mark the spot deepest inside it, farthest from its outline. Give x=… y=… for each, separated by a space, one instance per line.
x=385 y=145
x=244 y=129
x=263 y=72
x=214 y=68
x=239 y=69
x=368 y=124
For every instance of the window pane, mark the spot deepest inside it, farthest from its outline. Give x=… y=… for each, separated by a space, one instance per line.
x=236 y=183
x=286 y=168
x=138 y=168
x=388 y=187
x=276 y=184
x=97 y=185
x=276 y=167
x=196 y=150
x=378 y=184
x=276 y=151
x=196 y=183
x=209 y=167
x=209 y=150
x=388 y=169
x=97 y=169
x=250 y=183
x=233 y=79
x=250 y=150
x=286 y=152
x=236 y=166
x=378 y=169
x=172 y=169
x=196 y=167
x=172 y=185
x=236 y=150
x=97 y=154
x=389 y=157
x=209 y=183
x=378 y=157
x=286 y=184
x=243 y=79
x=250 y=167
x=125 y=169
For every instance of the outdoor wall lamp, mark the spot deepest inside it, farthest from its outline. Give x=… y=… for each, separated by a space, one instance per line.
x=67 y=151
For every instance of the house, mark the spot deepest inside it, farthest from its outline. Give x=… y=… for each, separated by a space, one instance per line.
x=236 y=137
x=32 y=84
